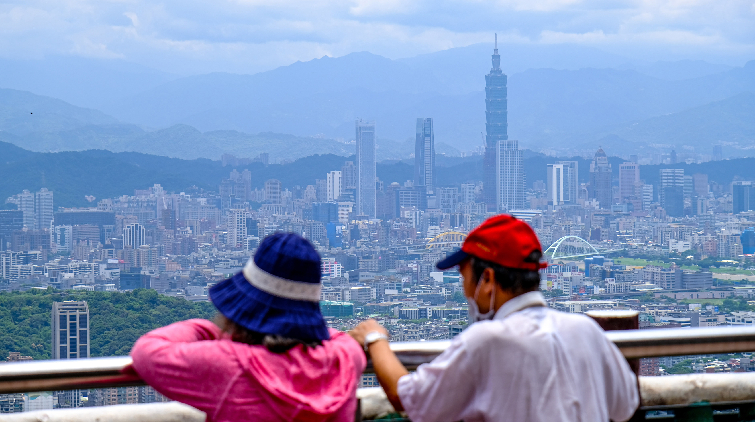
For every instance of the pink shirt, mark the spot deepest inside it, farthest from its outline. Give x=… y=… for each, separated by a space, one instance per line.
x=195 y=363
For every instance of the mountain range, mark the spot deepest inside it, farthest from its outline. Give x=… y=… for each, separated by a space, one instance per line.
x=74 y=176
x=563 y=98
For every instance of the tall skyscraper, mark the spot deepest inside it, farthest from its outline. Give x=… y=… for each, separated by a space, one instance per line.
x=496 y=127
x=424 y=155
x=236 y=227
x=555 y=184
x=510 y=176
x=134 y=235
x=43 y=209
x=334 y=180
x=10 y=221
x=348 y=176
x=629 y=181
x=26 y=205
x=70 y=330
x=562 y=183
x=366 y=170
x=600 y=179
x=273 y=191
x=671 y=192
x=70 y=340
x=743 y=196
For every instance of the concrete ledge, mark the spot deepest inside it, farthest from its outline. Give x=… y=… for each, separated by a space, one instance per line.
x=153 y=412
x=683 y=390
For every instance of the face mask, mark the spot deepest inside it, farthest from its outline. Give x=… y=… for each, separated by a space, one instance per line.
x=474 y=310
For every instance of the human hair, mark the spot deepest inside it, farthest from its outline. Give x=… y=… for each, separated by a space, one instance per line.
x=516 y=280
x=273 y=342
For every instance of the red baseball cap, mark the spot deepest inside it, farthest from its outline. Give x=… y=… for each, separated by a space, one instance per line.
x=504 y=240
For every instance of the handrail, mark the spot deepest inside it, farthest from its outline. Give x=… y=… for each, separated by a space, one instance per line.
x=53 y=375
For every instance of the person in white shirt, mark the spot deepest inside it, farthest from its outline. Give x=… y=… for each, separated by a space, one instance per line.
x=519 y=360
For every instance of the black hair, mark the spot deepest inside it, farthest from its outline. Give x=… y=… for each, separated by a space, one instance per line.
x=273 y=342
x=516 y=280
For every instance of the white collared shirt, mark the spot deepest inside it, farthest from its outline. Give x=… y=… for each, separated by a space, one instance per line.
x=530 y=363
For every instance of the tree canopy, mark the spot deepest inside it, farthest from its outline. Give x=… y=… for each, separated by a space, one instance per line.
x=117 y=320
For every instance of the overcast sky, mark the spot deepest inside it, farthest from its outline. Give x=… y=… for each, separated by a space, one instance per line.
x=247 y=36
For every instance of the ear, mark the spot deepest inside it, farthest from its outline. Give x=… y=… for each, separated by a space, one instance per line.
x=489 y=276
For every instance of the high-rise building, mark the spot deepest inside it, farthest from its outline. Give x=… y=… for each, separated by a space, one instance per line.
x=700 y=184
x=366 y=169
x=718 y=153
x=26 y=205
x=671 y=192
x=273 y=191
x=134 y=235
x=743 y=196
x=237 y=232
x=43 y=208
x=348 y=176
x=496 y=127
x=571 y=181
x=424 y=155
x=748 y=241
x=629 y=180
x=10 y=221
x=562 y=183
x=510 y=176
x=70 y=330
x=555 y=182
x=334 y=185
x=600 y=179
x=70 y=340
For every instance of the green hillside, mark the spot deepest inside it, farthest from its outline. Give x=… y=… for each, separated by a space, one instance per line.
x=117 y=320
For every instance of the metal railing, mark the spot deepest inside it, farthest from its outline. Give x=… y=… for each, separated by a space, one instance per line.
x=50 y=375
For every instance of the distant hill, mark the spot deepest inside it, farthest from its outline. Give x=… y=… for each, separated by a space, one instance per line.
x=325 y=96
x=84 y=81
x=22 y=112
x=103 y=174
x=730 y=121
x=116 y=320
x=57 y=126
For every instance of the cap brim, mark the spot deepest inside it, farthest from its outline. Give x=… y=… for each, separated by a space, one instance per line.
x=452 y=260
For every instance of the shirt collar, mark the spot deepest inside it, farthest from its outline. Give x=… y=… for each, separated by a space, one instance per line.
x=520 y=302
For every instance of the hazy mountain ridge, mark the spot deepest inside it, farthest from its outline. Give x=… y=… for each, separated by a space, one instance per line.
x=325 y=96
x=320 y=99
x=22 y=112
x=111 y=174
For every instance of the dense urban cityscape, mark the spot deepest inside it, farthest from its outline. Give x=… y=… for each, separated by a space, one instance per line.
x=680 y=251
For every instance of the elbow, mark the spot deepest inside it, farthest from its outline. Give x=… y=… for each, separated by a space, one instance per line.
x=395 y=400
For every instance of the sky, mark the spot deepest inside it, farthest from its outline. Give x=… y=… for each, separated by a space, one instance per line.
x=249 y=36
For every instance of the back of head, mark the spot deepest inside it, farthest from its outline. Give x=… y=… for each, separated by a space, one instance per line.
x=277 y=294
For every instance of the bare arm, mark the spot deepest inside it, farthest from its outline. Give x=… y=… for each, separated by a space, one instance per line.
x=387 y=366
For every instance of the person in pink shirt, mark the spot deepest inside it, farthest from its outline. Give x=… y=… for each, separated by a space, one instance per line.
x=269 y=356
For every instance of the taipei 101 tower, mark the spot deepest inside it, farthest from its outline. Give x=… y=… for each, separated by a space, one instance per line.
x=496 y=126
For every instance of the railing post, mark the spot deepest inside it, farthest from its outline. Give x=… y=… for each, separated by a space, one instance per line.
x=611 y=320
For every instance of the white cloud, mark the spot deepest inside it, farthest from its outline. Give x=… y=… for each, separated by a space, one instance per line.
x=253 y=35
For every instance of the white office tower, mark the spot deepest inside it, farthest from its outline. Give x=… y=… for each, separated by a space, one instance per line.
x=26 y=206
x=236 y=228
x=334 y=185
x=134 y=235
x=424 y=155
x=43 y=209
x=366 y=170
x=70 y=340
x=509 y=176
x=571 y=181
x=562 y=183
x=555 y=182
